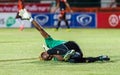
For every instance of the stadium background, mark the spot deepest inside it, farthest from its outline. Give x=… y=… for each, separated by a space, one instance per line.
x=19 y=50
x=87 y=13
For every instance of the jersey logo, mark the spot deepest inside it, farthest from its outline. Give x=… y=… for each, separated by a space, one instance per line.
x=58 y=52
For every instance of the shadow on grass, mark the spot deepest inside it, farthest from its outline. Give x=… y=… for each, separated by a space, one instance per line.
x=62 y=63
x=21 y=59
x=115 y=58
x=37 y=61
x=44 y=62
x=10 y=41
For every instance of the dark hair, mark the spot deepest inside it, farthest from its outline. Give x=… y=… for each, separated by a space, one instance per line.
x=45 y=58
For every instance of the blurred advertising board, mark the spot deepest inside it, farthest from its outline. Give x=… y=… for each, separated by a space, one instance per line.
x=44 y=19
x=8 y=20
x=49 y=19
x=32 y=7
x=84 y=20
x=108 y=20
x=75 y=20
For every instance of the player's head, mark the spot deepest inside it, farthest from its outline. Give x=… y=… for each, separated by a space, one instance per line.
x=45 y=56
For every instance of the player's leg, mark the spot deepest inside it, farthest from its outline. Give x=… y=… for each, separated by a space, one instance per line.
x=103 y=58
x=61 y=17
x=66 y=21
x=94 y=59
x=58 y=25
x=67 y=24
x=78 y=55
x=68 y=55
x=61 y=50
x=73 y=45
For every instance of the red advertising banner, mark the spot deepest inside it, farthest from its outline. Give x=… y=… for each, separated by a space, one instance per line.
x=35 y=7
x=108 y=20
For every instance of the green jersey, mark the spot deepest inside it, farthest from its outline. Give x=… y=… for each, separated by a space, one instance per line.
x=50 y=42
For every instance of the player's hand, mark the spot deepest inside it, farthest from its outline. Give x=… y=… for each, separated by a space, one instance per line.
x=24 y=14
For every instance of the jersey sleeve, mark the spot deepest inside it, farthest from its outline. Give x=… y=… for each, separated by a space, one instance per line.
x=58 y=50
x=49 y=41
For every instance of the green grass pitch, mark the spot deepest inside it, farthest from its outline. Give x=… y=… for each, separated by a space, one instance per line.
x=19 y=51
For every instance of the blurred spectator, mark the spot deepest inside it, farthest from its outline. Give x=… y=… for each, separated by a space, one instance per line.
x=118 y=3
x=108 y=3
x=53 y=6
x=113 y=4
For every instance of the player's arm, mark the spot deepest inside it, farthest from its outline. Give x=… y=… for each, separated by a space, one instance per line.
x=25 y=15
x=57 y=6
x=68 y=6
x=40 y=29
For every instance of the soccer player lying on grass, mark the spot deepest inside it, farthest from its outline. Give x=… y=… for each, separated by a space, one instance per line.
x=59 y=50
